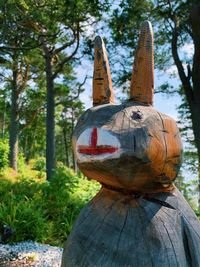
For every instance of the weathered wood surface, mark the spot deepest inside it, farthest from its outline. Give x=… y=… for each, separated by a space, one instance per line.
x=102 y=83
x=130 y=146
x=142 y=83
x=116 y=230
x=138 y=219
x=146 y=147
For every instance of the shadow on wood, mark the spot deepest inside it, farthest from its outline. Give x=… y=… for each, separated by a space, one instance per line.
x=139 y=218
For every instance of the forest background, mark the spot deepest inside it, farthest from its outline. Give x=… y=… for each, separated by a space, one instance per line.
x=46 y=53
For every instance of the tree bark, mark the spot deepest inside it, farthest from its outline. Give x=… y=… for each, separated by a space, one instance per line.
x=66 y=146
x=191 y=88
x=50 y=122
x=195 y=111
x=73 y=158
x=195 y=105
x=4 y=119
x=14 y=123
x=116 y=229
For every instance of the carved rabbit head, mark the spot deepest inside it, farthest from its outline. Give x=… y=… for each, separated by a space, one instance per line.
x=131 y=145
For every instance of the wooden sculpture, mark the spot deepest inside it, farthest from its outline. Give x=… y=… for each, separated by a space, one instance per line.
x=139 y=218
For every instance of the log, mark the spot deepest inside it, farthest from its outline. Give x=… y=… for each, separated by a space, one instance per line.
x=118 y=230
x=102 y=82
x=142 y=82
x=139 y=218
x=135 y=147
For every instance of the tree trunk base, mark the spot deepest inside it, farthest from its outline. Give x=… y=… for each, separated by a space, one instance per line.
x=119 y=230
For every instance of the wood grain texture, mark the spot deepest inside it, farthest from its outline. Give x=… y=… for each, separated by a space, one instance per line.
x=102 y=82
x=139 y=218
x=116 y=230
x=142 y=82
x=146 y=147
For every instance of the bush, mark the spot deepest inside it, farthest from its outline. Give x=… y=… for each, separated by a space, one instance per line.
x=40 y=164
x=21 y=163
x=44 y=211
x=4 y=152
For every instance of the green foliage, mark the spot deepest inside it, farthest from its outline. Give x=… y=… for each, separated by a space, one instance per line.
x=187 y=180
x=44 y=211
x=39 y=164
x=21 y=163
x=175 y=27
x=4 y=151
x=126 y=19
x=34 y=35
x=189 y=191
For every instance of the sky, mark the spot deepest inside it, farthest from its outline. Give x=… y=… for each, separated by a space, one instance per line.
x=162 y=102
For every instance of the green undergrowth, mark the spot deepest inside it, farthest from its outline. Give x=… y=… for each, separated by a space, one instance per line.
x=40 y=210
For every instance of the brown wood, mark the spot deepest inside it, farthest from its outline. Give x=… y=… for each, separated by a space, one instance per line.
x=146 y=145
x=102 y=82
x=119 y=230
x=190 y=79
x=138 y=218
x=142 y=83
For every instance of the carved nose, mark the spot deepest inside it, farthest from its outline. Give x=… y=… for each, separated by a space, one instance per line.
x=97 y=141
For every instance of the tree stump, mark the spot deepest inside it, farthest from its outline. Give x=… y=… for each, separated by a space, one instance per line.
x=117 y=229
x=139 y=218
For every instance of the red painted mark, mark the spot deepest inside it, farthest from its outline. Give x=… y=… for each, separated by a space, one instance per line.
x=99 y=150
x=93 y=138
x=93 y=148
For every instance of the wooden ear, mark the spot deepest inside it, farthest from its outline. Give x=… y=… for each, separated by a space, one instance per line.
x=142 y=82
x=102 y=83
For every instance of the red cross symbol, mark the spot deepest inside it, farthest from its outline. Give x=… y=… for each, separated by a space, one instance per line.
x=94 y=148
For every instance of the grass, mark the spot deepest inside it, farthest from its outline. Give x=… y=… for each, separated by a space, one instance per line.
x=40 y=210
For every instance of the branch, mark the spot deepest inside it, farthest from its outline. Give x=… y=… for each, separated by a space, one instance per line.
x=67 y=44
x=33 y=116
x=170 y=6
x=188 y=30
x=24 y=78
x=195 y=22
x=69 y=100
x=66 y=59
x=6 y=78
x=189 y=71
x=58 y=50
x=170 y=13
x=90 y=23
x=80 y=87
x=18 y=48
x=184 y=79
x=47 y=51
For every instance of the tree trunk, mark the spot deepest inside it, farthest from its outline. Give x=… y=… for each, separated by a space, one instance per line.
x=198 y=181
x=73 y=158
x=26 y=149
x=191 y=82
x=4 y=119
x=14 y=124
x=195 y=111
x=118 y=230
x=50 y=122
x=66 y=146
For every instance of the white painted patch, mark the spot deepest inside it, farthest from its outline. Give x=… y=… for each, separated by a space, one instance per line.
x=104 y=138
